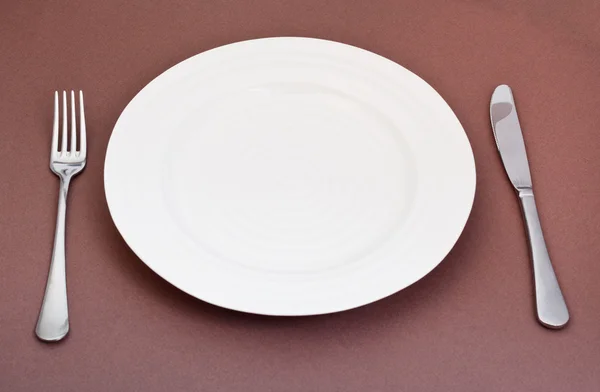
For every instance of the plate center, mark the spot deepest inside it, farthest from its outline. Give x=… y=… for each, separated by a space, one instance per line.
x=300 y=178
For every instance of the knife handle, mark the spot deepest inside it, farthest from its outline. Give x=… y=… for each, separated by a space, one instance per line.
x=551 y=307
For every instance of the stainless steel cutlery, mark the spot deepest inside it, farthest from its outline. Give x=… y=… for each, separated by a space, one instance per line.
x=66 y=162
x=551 y=307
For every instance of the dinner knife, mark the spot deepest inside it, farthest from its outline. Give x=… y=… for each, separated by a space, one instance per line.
x=550 y=304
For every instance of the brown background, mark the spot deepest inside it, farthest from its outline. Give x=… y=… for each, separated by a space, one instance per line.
x=468 y=326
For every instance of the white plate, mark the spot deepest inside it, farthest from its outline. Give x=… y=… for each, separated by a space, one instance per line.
x=289 y=176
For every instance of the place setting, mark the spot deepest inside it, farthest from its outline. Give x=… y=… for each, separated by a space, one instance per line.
x=290 y=176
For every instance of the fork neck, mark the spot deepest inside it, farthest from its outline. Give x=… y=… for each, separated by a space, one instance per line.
x=65 y=171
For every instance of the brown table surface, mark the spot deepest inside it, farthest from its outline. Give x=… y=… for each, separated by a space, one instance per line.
x=468 y=326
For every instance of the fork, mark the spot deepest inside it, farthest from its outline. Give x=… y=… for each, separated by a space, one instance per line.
x=53 y=320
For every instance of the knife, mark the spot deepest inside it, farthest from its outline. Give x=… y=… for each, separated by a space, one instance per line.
x=550 y=304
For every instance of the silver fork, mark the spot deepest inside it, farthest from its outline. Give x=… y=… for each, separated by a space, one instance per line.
x=53 y=321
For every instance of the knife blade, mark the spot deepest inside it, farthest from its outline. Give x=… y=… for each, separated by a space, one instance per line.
x=551 y=308
x=509 y=138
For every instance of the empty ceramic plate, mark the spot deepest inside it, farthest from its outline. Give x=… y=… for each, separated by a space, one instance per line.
x=289 y=176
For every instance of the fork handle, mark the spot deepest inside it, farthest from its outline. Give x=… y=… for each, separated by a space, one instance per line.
x=551 y=307
x=53 y=321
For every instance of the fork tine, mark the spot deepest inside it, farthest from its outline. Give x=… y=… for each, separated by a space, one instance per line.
x=54 y=149
x=73 y=125
x=63 y=149
x=83 y=137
